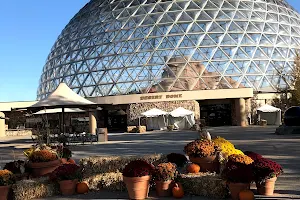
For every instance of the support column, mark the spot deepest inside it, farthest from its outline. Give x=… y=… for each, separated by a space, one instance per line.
x=92 y=122
x=2 y=124
x=248 y=111
x=240 y=109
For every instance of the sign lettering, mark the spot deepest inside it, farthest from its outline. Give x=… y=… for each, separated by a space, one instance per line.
x=168 y=96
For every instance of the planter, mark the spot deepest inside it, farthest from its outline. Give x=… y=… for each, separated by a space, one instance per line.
x=137 y=187
x=207 y=164
x=267 y=187
x=164 y=188
x=4 y=190
x=64 y=160
x=236 y=188
x=43 y=168
x=68 y=187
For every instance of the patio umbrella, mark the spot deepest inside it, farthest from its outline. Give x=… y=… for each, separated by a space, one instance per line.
x=63 y=97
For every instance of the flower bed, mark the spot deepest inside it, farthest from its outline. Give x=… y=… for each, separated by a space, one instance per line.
x=204 y=184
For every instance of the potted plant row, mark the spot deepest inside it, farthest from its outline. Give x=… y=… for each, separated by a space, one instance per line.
x=164 y=175
x=238 y=173
x=136 y=176
x=67 y=175
x=6 y=180
x=266 y=172
x=43 y=160
x=204 y=153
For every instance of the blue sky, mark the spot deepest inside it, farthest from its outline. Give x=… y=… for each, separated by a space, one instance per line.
x=28 y=31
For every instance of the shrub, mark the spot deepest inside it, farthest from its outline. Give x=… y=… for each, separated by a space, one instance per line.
x=165 y=172
x=265 y=169
x=201 y=148
x=6 y=178
x=138 y=168
x=67 y=172
x=179 y=159
x=238 y=169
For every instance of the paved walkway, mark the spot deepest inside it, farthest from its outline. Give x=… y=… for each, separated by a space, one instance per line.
x=281 y=148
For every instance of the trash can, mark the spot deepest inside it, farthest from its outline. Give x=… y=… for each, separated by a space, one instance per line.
x=102 y=134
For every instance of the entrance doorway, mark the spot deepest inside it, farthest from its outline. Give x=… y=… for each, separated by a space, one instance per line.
x=216 y=114
x=117 y=121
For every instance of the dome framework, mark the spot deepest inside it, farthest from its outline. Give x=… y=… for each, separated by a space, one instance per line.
x=116 y=47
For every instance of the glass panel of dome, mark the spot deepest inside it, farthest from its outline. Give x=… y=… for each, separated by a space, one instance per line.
x=234 y=28
x=210 y=5
x=228 y=5
x=219 y=55
x=255 y=80
x=215 y=28
x=220 y=65
x=199 y=56
x=244 y=6
x=193 y=6
x=249 y=50
x=240 y=54
x=186 y=42
x=229 y=13
x=232 y=70
x=229 y=50
x=227 y=40
x=238 y=15
x=244 y=83
x=217 y=37
x=204 y=16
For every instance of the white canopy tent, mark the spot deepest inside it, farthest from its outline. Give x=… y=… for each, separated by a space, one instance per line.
x=155 y=119
x=270 y=113
x=59 y=110
x=182 y=118
x=63 y=97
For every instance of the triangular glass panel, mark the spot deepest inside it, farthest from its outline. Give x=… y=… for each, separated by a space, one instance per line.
x=195 y=38
x=255 y=37
x=223 y=84
x=176 y=30
x=186 y=42
x=215 y=28
x=242 y=24
x=262 y=65
x=234 y=28
x=240 y=54
x=234 y=81
x=199 y=56
x=210 y=5
x=207 y=41
x=200 y=85
x=182 y=4
x=227 y=5
x=212 y=13
x=222 y=15
x=193 y=6
x=185 y=18
x=259 y=54
x=242 y=65
x=217 y=37
x=175 y=7
x=166 y=44
x=252 y=28
x=239 y=16
x=253 y=69
x=220 y=66
x=227 y=40
x=272 y=17
x=219 y=55
x=283 y=51
x=174 y=39
x=232 y=70
x=255 y=81
x=229 y=51
x=229 y=13
x=271 y=70
x=184 y=26
x=223 y=24
x=195 y=29
x=277 y=55
x=244 y=84
x=204 y=16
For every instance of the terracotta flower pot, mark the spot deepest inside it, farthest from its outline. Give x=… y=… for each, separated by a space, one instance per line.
x=164 y=188
x=64 y=160
x=68 y=187
x=207 y=164
x=236 y=188
x=137 y=187
x=43 y=168
x=4 y=190
x=267 y=187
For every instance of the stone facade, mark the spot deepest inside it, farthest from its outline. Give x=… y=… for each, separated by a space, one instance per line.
x=135 y=110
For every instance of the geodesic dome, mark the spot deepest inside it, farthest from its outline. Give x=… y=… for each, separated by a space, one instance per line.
x=115 y=47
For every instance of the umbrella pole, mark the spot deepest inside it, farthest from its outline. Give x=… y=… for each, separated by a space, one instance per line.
x=63 y=120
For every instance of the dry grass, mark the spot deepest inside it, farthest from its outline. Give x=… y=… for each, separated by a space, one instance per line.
x=109 y=181
x=204 y=184
x=34 y=188
x=100 y=164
